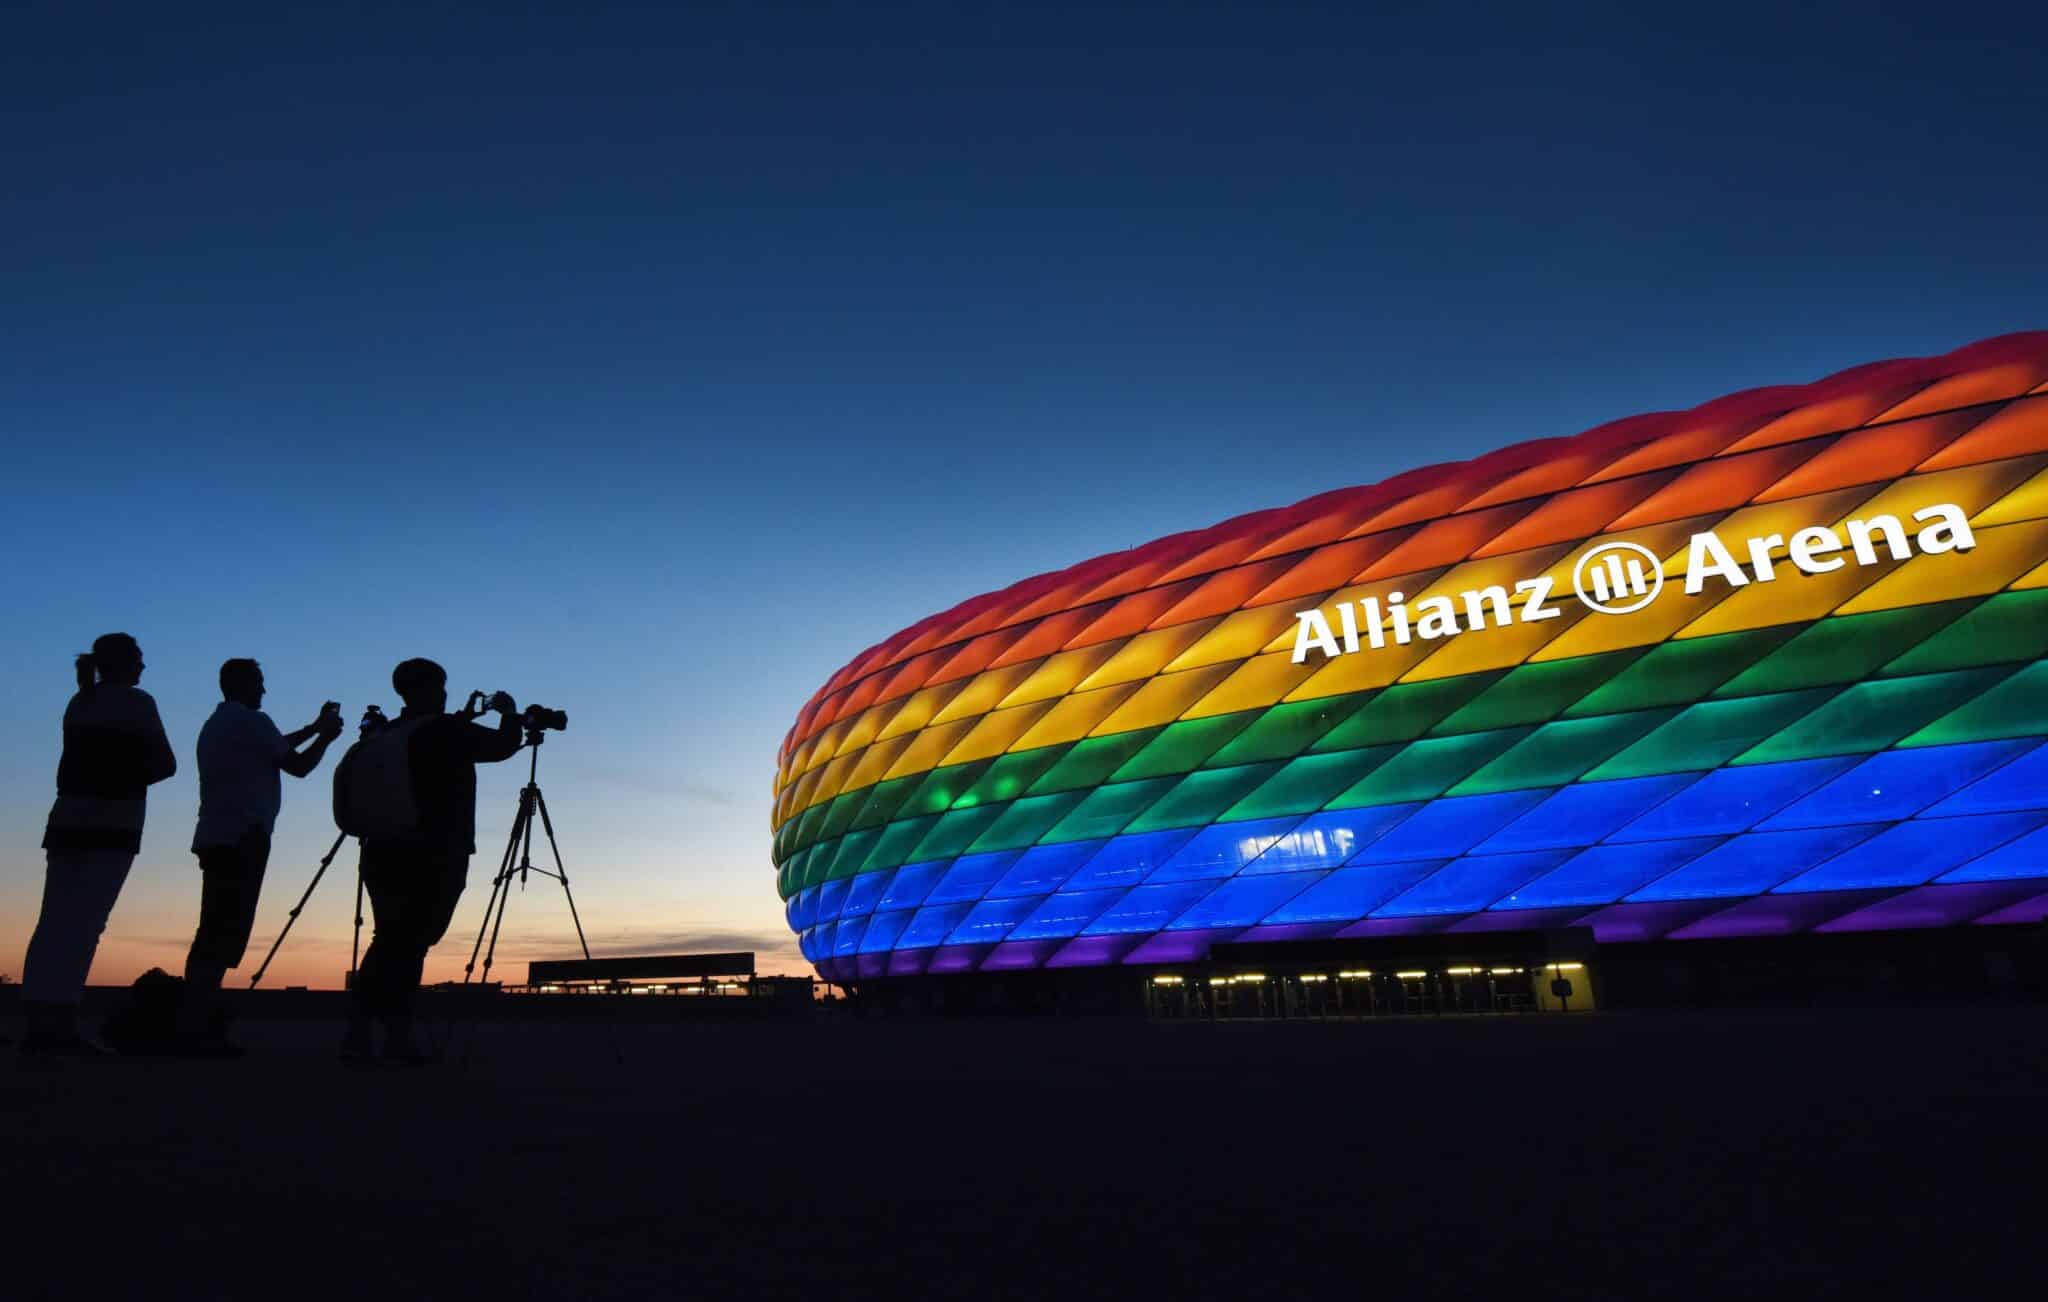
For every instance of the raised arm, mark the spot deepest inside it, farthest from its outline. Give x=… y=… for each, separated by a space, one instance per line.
x=323 y=730
x=489 y=745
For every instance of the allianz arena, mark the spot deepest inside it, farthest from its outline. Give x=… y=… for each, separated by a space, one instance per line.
x=1808 y=697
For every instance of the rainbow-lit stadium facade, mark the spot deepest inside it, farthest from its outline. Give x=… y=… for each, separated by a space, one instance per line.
x=1151 y=752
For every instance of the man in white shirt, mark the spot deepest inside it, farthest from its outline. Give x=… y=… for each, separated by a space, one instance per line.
x=241 y=753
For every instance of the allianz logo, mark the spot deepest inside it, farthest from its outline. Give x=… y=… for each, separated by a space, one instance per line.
x=1618 y=578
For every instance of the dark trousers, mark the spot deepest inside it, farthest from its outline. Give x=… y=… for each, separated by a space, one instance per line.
x=231 y=883
x=413 y=893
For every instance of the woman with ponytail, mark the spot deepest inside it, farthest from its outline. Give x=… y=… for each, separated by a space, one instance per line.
x=114 y=749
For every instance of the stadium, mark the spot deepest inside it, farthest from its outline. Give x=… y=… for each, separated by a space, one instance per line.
x=1768 y=668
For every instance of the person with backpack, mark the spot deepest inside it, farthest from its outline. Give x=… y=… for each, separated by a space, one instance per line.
x=241 y=753
x=114 y=750
x=408 y=792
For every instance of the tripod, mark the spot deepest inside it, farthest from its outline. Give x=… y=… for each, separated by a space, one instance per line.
x=520 y=844
x=355 y=948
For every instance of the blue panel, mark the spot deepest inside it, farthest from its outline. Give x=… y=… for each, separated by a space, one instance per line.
x=846 y=941
x=991 y=920
x=1444 y=829
x=1127 y=860
x=2022 y=784
x=1244 y=900
x=830 y=896
x=1734 y=800
x=1605 y=873
x=1065 y=914
x=1044 y=868
x=1754 y=862
x=913 y=882
x=1896 y=784
x=931 y=926
x=1222 y=849
x=820 y=941
x=1911 y=853
x=1351 y=893
x=1585 y=812
x=2026 y=857
x=883 y=928
x=803 y=909
x=864 y=892
x=1470 y=884
x=971 y=875
x=1148 y=908
x=1327 y=839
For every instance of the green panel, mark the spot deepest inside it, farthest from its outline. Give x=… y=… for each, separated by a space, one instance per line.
x=1559 y=752
x=1106 y=809
x=898 y=839
x=955 y=831
x=2017 y=707
x=840 y=815
x=884 y=799
x=1288 y=729
x=2009 y=626
x=1709 y=734
x=1427 y=769
x=1405 y=711
x=1871 y=716
x=941 y=787
x=782 y=881
x=1010 y=776
x=1202 y=797
x=1841 y=650
x=1536 y=692
x=800 y=874
x=807 y=826
x=1181 y=747
x=1679 y=673
x=852 y=851
x=1025 y=821
x=1310 y=782
x=1090 y=761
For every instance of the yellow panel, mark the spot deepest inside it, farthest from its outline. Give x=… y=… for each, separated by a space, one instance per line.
x=1655 y=622
x=1059 y=674
x=1161 y=700
x=1784 y=519
x=986 y=690
x=2027 y=502
x=1072 y=717
x=875 y=762
x=1793 y=597
x=1145 y=655
x=1360 y=671
x=1263 y=680
x=832 y=777
x=863 y=728
x=1381 y=589
x=1970 y=487
x=800 y=794
x=1245 y=633
x=826 y=744
x=2000 y=556
x=995 y=732
x=925 y=748
x=2034 y=578
x=1496 y=647
x=920 y=708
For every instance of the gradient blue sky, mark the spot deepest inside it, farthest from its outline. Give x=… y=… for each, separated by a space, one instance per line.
x=652 y=362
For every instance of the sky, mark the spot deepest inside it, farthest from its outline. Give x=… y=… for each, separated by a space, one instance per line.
x=651 y=362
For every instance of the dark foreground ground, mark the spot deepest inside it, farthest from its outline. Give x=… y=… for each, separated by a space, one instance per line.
x=1649 y=1155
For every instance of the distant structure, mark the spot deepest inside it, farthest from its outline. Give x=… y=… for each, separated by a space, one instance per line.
x=1806 y=694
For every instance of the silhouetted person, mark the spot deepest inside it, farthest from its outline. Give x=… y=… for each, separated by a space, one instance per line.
x=241 y=753
x=416 y=875
x=114 y=749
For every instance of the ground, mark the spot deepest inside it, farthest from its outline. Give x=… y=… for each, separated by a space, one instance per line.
x=1596 y=1156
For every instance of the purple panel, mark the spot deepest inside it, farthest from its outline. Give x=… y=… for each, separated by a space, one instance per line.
x=1093 y=951
x=1416 y=925
x=909 y=962
x=957 y=958
x=1012 y=955
x=1179 y=946
x=1522 y=919
x=1647 y=921
x=1294 y=931
x=2026 y=912
x=1936 y=906
x=838 y=971
x=868 y=966
x=1779 y=915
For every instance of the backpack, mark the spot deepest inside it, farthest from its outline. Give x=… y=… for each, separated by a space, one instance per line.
x=373 y=791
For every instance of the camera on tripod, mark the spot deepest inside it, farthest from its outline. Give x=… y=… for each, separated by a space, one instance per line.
x=534 y=718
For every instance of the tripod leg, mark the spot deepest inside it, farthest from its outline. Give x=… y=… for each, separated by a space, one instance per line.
x=498 y=882
x=562 y=876
x=355 y=952
x=326 y=859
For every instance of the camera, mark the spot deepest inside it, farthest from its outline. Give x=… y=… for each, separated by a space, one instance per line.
x=539 y=718
x=373 y=719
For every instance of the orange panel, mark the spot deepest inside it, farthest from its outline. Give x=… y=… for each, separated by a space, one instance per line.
x=1222 y=593
x=1549 y=475
x=1576 y=513
x=1675 y=449
x=1218 y=556
x=1139 y=574
x=1050 y=634
x=2015 y=430
x=1827 y=417
x=912 y=674
x=1428 y=504
x=1326 y=526
x=1327 y=568
x=1717 y=485
x=1447 y=541
x=1133 y=613
x=1868 y=455
x=978 y=654
x=1992 y=384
